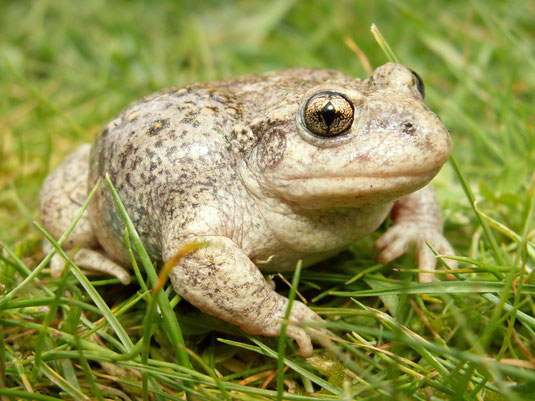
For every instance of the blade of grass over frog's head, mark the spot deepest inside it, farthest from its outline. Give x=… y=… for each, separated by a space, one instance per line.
x=387 y=50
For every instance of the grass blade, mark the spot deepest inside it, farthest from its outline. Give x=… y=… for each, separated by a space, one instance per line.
x=282 y=336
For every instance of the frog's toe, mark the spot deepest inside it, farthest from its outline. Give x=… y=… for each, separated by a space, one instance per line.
x=91 y=260
x=427 y=260
x=393 y=243
x=303 y=340
x=302 y=314
x=426 y=263
x=398 y=238
x=96 y=261
x=56 y=266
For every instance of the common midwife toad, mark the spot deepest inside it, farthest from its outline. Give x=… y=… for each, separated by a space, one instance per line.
x=268 y=169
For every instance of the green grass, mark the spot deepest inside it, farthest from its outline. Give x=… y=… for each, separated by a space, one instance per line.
x=67 y=67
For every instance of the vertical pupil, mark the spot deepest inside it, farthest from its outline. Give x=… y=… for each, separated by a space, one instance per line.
x=329 y=113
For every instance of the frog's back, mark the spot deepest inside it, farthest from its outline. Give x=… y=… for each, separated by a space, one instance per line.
x=163 y=154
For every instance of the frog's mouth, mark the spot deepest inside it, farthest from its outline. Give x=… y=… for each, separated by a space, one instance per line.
x=349 y=191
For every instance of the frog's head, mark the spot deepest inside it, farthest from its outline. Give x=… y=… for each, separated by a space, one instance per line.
x=350 y=143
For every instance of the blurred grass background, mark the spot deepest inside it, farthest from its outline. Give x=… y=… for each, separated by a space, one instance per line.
x=67 y=67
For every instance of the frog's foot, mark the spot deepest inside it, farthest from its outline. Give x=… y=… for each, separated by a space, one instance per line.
x=300 y=314
x=397 y=240
x=91 y=260
x=221 y=280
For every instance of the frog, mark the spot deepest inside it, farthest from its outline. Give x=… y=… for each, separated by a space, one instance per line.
x=269 y=171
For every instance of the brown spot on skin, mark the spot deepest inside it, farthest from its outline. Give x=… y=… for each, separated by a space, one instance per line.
x=408 y=128
x=157 y=126
x=129 y=149
x=209 y=110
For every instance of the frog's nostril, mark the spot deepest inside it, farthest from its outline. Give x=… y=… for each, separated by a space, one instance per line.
x=408 y=128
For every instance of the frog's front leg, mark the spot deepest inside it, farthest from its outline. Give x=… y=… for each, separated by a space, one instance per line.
x=416 y=220
x=221 y=280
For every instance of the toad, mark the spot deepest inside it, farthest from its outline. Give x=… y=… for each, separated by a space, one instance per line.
x=270 y=169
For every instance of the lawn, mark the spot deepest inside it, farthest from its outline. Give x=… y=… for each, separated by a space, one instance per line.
x=66 y=68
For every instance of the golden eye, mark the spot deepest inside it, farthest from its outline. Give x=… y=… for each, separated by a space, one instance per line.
x=328 y=114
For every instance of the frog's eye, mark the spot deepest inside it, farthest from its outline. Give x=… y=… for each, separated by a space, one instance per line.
x=419 y=83
x=328 y=114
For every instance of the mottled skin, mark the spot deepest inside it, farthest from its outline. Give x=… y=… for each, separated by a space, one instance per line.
x=234 y=163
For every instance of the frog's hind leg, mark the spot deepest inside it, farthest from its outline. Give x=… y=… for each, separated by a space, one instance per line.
x=62 y=195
